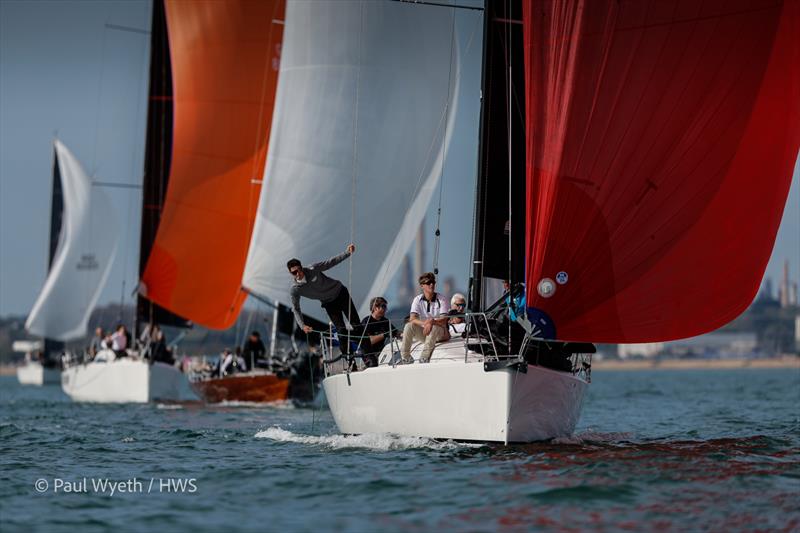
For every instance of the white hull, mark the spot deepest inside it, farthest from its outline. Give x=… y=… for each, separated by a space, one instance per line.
x=449 y=398
x=125 y=380
x=35 y=374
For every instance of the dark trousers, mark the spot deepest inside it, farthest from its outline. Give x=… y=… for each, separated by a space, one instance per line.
x=337 y=310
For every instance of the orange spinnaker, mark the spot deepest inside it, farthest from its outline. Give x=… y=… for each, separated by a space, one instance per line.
x=225 y=58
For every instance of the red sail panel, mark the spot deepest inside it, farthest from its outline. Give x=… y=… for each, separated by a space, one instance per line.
x=225 y=59
x=660 y=142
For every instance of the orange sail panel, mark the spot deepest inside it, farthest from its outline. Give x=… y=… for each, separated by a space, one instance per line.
x=661 y=137
x=225 y=58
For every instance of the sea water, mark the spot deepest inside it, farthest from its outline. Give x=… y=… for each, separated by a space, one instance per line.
x=667 y=450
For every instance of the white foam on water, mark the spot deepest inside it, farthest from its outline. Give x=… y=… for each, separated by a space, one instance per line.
x=372 y=441
x=168 y=406
x=277 y=404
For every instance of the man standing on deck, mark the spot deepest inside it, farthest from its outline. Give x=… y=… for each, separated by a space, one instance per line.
x=332 y=294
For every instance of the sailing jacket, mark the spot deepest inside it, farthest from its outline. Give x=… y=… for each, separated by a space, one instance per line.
x=316 y=285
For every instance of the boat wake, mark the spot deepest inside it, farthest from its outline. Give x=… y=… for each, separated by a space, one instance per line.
x=379 y=442
x=169 y=406
x=278 y=404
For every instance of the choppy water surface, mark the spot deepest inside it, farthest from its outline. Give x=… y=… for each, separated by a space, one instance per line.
x=667 y=450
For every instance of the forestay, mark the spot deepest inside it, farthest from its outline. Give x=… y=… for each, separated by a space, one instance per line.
x=83 y=259
x=360 y=130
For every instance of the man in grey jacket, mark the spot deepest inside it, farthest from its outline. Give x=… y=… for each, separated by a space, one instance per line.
x=332 y=294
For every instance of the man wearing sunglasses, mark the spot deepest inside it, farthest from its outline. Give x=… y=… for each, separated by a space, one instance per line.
x=377 y=330
x=458 y=306
x=428 y=322
x=311 y=283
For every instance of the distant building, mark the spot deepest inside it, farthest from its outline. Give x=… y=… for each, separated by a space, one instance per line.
x=797 y=333
x=646 y=350
x=787 y=291
x=766 y=293
x=716 y=345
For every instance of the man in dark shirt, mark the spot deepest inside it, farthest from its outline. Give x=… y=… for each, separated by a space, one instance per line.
x=377 y=329
x=310 y=282
x=254 y=351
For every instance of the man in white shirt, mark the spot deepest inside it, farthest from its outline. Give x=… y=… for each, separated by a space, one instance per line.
x=428 y=322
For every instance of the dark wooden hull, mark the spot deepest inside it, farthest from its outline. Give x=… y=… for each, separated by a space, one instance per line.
x=243 y=388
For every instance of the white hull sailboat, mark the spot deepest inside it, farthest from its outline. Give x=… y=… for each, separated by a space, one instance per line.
x=458 y=397
x=124 y=380
x=33 y=373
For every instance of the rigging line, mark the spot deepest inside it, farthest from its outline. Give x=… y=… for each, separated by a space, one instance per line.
x=99 y=99
x=438 y=4
x=355 y=171
x=254 y=179
x=115 y=185
x=509 y=52
x=437 y=236
x=131 y=29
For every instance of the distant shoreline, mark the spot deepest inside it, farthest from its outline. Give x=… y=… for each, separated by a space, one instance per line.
x=789 y=361
x=599 y=365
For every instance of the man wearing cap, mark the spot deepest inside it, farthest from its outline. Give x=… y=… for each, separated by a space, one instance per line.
x=428 y=322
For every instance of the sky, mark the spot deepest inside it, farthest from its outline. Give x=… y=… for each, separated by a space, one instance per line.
x=67 y=70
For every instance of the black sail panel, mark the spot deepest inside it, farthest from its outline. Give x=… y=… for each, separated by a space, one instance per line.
x=503 y=65
x=158 y=150
x=56 y=220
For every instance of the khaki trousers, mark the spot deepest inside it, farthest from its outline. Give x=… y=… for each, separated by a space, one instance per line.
x=413 y=332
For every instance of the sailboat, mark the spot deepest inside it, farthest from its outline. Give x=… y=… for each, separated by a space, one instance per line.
x=109 y=379
x=366 y=95
x=635 y=161
x=80 y=259
x=224 y=79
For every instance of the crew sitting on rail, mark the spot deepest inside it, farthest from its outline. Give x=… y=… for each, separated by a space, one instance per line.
x=428 y=322
x=230 y=363
x=377 y=329
x=458 y=322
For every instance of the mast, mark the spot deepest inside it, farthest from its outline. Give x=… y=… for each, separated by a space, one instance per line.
x=501 y=152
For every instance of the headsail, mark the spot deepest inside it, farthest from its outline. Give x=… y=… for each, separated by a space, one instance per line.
x=661 y=138
x=225 y=59
x=83 y=257
x=364 y=100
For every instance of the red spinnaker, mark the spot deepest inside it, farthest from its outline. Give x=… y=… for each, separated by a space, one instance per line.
x=661 y=138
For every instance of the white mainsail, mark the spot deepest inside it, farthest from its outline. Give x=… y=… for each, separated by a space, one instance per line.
x=83 y=259
x=364 y=111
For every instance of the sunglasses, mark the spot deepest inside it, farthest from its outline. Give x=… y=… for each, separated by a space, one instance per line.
x=294 y=272
x=380 y=306
x=461 y=305
x=428 y=283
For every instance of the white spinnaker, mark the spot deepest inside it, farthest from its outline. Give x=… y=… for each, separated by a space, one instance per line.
x=83 y=259
x=379 y=71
